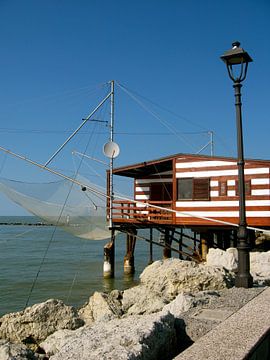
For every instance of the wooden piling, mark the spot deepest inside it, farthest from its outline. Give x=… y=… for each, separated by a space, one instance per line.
x=129 y=266
x=204 y=246
x=167 y=253
x=151 y=247
x=109 y=258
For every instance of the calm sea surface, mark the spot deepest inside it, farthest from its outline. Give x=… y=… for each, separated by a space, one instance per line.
x=71 y=270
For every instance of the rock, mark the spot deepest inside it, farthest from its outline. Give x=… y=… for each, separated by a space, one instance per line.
x=167 y=278
x=140 y=300
x=56 y=341
x=37 y=322
x=161 y=282
x=259 y=263
x=262 y=240
x=185 y=301
x=260 y=267
x=227 y=259
x=148 y=337
x=9 y=351
x=102 y=307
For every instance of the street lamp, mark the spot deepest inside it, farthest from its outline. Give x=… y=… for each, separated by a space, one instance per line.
x=236 y=60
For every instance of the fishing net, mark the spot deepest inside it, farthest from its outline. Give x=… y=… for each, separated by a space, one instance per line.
x=76 y=209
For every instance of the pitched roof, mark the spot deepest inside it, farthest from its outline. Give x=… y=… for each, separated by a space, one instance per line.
x=166 y=164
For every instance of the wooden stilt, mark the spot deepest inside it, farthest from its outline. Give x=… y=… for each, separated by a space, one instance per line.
x=109 y=258
x=194 y=242
x=204 y=246
x=151 y=247
x=180 y=244
x=220 y=239
x=129 y=267
x=167 y=253
x=215 y=240
x=233 y=238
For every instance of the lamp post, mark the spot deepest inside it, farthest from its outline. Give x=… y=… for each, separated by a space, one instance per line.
x=238 y=59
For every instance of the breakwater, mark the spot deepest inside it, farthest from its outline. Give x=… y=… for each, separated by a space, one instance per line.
x=20 y=223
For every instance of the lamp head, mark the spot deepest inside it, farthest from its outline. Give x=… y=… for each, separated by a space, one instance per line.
x=236 y=56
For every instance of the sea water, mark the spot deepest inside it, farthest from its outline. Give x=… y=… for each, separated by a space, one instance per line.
x=42 y=262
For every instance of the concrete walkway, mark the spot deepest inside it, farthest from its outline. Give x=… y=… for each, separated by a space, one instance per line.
x=237 y=337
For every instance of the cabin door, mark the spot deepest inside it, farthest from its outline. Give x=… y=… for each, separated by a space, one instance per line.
x=161 y=192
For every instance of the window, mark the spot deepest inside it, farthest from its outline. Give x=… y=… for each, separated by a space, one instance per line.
x=161 y=192
x=223 y=188
x=185 y=189
x=193 y=189
x=247 y=187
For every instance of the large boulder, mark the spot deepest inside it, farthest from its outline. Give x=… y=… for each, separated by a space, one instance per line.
x=227 y=259
x=37 y=322
x=260 y=267
x=185 y=301
x=259 y=263
x=149 y=337
x=58 y=339
x=9 y=351
x=102 y=307
x=167 y=278
x=141 y=300
x=160 y=283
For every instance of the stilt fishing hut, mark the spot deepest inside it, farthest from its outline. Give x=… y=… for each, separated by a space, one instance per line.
x=194 y=192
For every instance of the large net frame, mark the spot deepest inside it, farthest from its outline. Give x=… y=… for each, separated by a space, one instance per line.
x=75 y=208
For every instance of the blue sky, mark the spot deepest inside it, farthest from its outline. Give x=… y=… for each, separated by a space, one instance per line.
x=55 y=54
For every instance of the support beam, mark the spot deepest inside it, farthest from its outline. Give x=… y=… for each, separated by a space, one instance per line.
x=129 y=267
x=167 y=252
x=180 y=244
x=109 y=258
x=151 y=247
x=204 y=246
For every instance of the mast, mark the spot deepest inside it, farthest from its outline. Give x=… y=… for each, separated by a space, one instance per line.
x=111 y=158
x=109 y=252
x=211 y=133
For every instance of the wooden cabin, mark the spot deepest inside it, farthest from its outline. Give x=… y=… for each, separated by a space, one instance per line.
x=201 y=191
x=191 y=199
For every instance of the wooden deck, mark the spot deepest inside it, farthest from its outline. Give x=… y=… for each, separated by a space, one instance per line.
x=138 y=213
x=151 y=214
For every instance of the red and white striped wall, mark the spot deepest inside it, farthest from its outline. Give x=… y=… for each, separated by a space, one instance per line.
x=224 y=206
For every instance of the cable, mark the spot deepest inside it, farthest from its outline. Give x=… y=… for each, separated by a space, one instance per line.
x=163 y=108
x=67 y=93
x=163 y=122
x=52 y=237
x=3 y=163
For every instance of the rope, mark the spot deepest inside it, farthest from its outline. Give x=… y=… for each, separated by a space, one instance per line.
x=83 y=243
x=165 y=109
x=55 y=227
x=63 y=94
x=163 y=122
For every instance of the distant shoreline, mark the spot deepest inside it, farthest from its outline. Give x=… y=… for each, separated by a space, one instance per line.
x=25 y=223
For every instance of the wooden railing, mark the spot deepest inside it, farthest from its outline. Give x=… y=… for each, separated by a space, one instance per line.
x=129 y=211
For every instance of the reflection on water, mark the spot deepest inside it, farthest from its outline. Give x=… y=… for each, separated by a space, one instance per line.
x=127 y=281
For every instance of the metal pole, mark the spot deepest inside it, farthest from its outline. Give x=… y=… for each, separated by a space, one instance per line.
x=243 y=277
x=109 y=249
x=77 y=130
x=211 y=143
x=111 y=159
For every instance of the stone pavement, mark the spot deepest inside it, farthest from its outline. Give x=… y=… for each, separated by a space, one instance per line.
x=237 y=335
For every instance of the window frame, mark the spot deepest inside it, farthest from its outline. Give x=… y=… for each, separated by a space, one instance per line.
x=197 y=185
